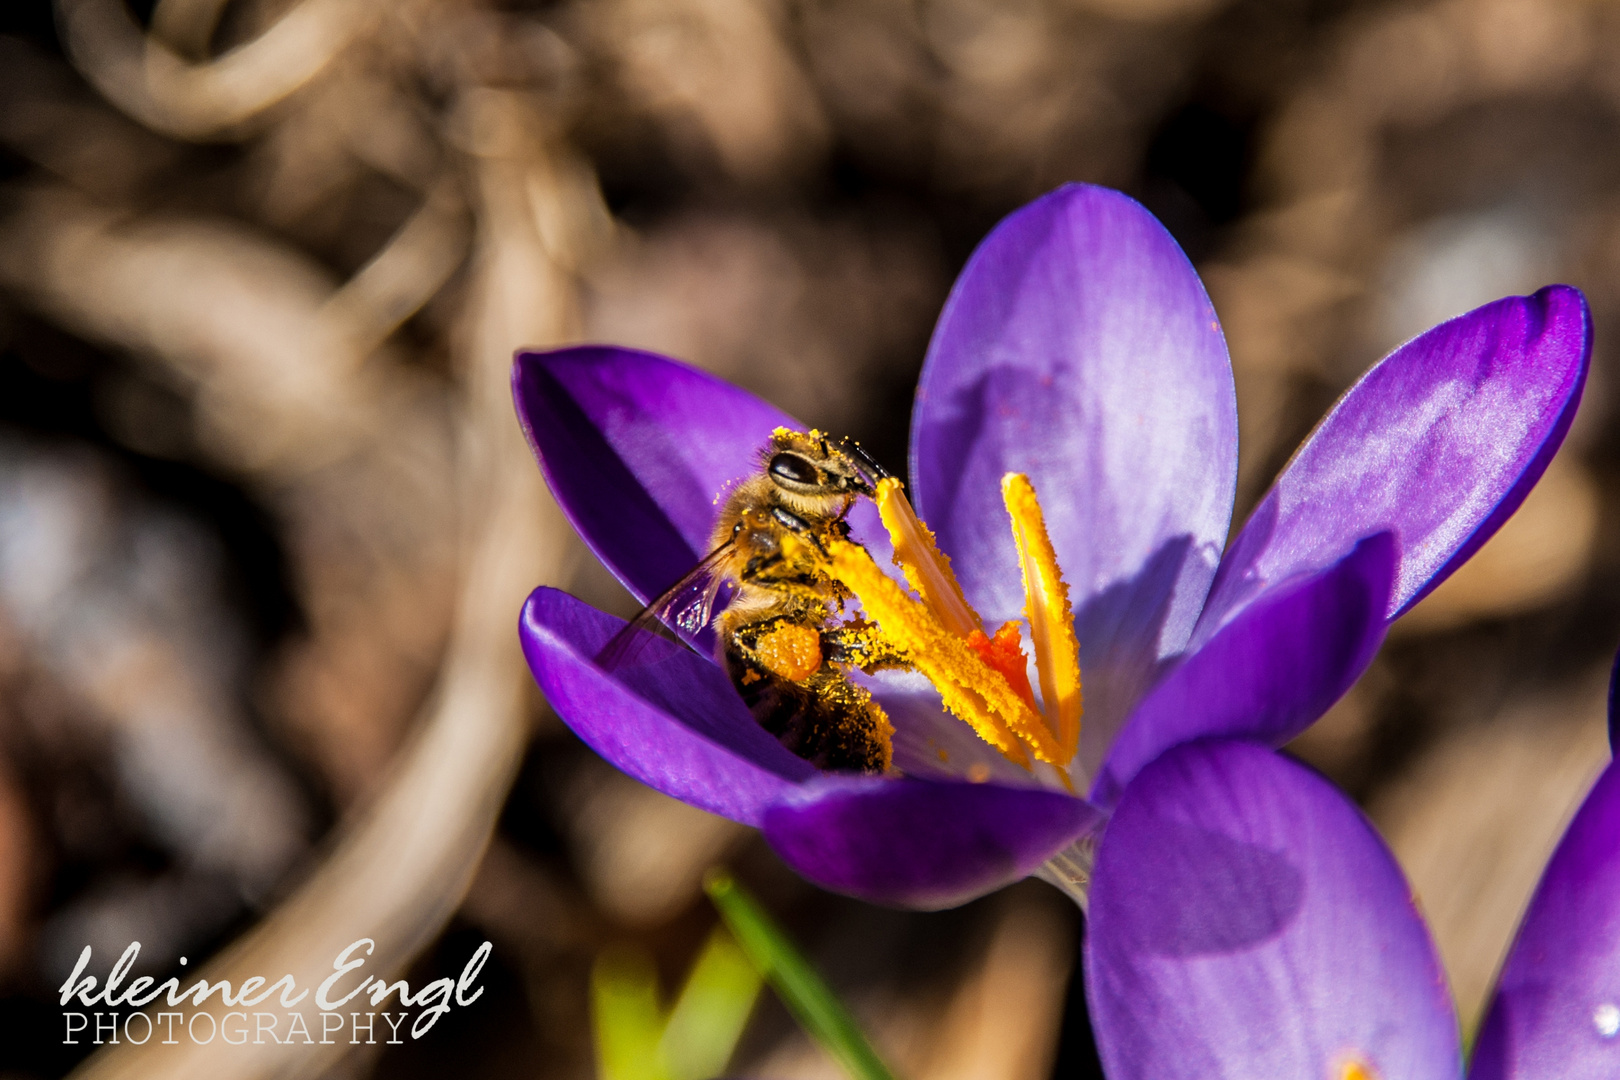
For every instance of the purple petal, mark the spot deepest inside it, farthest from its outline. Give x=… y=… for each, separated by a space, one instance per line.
x=1556 y=1012
x=1268 y=673
x=636 y=447
x=1246 y=920
x=669 y=718
x=1440 y=443
x=1079 y=347
x=921 y=843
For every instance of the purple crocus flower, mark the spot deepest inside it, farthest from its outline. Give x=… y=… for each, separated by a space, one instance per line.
x=1247 y=920
x=1078 y=347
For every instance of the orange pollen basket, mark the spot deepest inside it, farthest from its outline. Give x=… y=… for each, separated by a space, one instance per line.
x=790 y=651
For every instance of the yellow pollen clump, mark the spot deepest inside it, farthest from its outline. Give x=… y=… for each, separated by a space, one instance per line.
x=790 y=651
x=1046 y=606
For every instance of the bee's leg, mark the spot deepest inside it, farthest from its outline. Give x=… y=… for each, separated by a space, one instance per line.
x=781 y=706
x=858 y=644
x=825 y=718
x=742 y=652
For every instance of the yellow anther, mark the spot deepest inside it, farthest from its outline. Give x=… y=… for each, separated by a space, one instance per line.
x=927 y=569
x=1355 y=1069
x=1051 y=621
x=970 y=689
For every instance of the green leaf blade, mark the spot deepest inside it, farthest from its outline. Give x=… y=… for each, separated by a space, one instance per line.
x=627 y=1020
x=801 y=989
x=712 y=1010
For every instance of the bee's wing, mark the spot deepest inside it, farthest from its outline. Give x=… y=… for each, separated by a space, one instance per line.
x=683 y=609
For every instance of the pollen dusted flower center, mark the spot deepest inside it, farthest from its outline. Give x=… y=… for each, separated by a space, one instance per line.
x=982 y=677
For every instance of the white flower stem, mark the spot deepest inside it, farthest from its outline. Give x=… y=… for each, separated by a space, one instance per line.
x=1070 y=870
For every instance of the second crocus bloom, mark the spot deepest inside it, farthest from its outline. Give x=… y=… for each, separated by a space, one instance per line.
x=1247 y=921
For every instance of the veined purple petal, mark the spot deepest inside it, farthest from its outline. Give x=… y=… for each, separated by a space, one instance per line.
x=1440 y=442
x=668 y=718
x=636 y=447
x=1079 y=347
x=1246 y=921
x=919 y=843
x=1556 y=1012
x=1268 y=673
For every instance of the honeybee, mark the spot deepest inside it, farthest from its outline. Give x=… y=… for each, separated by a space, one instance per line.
x=779 y=636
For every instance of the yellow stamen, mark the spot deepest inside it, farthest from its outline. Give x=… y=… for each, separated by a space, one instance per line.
x=1356 y=1069
x=1051 y=621
x=927 y=569
x=970 y=689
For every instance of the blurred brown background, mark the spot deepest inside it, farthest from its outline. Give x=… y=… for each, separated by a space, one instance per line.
x=266 y=519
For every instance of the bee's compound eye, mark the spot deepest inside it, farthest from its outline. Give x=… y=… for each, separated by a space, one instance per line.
x=794 y=469
x=737 y=528
x=790 y=520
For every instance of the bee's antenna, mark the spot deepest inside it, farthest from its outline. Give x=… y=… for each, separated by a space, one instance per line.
x=867 y=462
